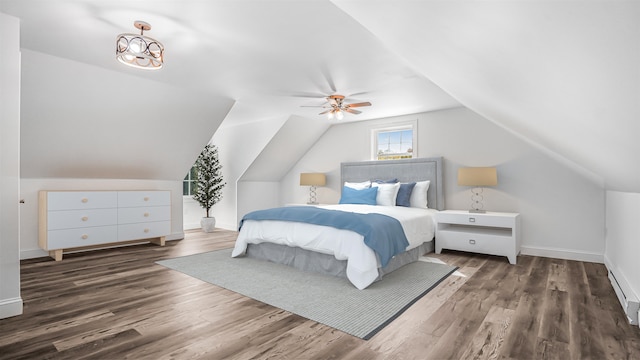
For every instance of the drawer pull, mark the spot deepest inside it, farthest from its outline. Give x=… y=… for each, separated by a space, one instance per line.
x=84 y=236
x=146 y=198
x=146 y=230
x=472 y=242
x=472 y=219
x=84 y=200
x=85 y=218
x=146 y=214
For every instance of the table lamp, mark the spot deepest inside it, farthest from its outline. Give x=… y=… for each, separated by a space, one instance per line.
x=478 y=177
x=312 y=180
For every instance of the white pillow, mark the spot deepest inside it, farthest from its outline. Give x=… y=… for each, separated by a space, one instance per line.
x=386 y=193
x=419 y=194
x=358 y=186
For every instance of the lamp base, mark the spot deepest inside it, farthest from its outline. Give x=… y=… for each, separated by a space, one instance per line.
x=313 y=203
x=477 y=211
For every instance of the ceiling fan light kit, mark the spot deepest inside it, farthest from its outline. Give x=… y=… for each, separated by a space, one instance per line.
x=338 y=114
x=138 y=50
x=337 y=107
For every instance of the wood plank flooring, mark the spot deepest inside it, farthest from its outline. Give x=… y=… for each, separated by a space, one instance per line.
x=118 y=304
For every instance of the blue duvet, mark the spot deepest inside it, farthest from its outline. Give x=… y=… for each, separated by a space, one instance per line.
x=382 y=233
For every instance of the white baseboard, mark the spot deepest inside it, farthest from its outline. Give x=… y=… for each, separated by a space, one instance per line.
x=626 y=295
x=32 y=254
x=175 y=236
x=232 y=227
x=10 y=307
x=607 y=263
x=562 y=254
x=194 y=226
x=191 y=226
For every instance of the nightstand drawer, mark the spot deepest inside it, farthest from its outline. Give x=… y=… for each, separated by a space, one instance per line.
x=476 y=219
x=479 y=243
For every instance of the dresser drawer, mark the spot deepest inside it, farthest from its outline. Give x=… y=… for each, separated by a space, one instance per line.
x=144 y=214
x=69 y=238
x=75 y=200
x=474 y=242
x=67 y=219
x=144 y=230
x=476 y=220
x=143 y=198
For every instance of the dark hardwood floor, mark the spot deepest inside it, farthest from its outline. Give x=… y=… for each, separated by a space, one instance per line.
x=118 y=304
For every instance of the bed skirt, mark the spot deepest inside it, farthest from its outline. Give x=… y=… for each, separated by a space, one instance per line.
x=312 y=261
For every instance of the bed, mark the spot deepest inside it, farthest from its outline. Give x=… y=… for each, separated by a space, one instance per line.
x=343 y=251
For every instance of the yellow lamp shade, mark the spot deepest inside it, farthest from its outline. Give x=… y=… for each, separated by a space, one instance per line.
x=477 y=176
x=312 y=179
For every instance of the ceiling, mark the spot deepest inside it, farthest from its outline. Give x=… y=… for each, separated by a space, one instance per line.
x=564 y=75
x=269 y=56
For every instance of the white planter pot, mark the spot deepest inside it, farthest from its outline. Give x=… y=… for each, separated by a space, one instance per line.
x=208 y=224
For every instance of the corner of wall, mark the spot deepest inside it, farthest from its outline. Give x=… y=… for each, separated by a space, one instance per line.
x=10 y=307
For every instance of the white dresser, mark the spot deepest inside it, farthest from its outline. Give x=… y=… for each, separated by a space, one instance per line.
x=88 y=219
x=495 y=233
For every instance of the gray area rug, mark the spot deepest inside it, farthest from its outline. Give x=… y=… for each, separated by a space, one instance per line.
x=328 y=300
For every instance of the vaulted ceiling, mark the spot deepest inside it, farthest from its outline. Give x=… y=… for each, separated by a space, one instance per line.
x=564 y=75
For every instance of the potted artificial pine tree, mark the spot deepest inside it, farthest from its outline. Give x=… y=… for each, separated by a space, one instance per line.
x=209 y=184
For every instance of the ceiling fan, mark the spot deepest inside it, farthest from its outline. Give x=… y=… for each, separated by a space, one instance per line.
x=337 y=107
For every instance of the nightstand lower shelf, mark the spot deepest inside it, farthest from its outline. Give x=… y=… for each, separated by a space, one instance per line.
x=487 y=233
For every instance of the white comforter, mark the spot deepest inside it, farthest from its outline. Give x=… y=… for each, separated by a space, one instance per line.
x=362 y=263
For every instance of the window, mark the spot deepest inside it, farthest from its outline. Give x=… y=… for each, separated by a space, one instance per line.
x=394 y=143
x=190 y=182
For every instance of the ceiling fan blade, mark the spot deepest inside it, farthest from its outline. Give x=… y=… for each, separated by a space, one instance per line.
x=324 y=112
x=352 y=111
x=359 y=104
x=320 y=106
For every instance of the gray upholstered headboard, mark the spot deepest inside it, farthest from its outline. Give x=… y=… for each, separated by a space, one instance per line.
x=407 y=170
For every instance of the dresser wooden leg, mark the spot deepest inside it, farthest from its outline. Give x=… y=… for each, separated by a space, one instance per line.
x=159 y=241
x=56 y=254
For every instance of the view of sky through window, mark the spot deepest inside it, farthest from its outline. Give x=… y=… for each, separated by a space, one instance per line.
x=397 y=144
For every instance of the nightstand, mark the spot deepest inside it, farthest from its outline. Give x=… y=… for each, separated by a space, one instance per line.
x=494 y=233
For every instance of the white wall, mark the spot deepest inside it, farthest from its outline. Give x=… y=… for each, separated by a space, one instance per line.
x=622 y=251
x=29 y=210
x=238 y=147
x=192 y=212
x=10 y=300
x=257 y=195
x=562 y=210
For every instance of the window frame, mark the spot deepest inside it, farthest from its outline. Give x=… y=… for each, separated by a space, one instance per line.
x=190 y=180
x=413 y=126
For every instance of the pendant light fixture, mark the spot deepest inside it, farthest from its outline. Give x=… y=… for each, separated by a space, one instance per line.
x=140 y=51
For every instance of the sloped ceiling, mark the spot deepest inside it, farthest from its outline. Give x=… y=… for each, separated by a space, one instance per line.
x=291 y=141
x=562 y=74
x=123 y=128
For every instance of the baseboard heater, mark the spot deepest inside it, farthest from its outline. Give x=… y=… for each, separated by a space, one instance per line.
x=627 y=299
